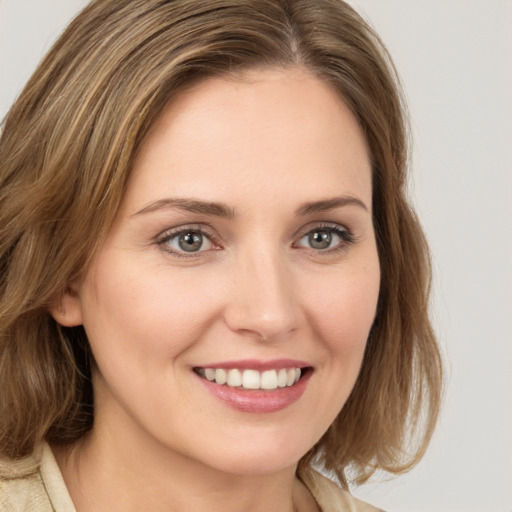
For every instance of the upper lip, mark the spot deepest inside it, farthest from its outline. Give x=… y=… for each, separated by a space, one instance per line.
x=254 y=364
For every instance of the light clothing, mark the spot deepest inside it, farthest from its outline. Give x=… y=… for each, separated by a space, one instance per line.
x=35 y=484
x=329 y=496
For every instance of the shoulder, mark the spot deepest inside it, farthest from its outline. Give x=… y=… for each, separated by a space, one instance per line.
x=21 y=485
x=33 y=483
x=330 y=497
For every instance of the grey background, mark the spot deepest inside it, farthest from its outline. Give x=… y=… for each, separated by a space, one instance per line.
x=455 y=59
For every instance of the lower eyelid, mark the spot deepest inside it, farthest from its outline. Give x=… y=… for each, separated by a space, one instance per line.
x=164 y=239
x=345 y=235
x=345 y=240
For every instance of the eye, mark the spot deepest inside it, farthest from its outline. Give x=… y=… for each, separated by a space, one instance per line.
x=325 y=238
x=186 y=241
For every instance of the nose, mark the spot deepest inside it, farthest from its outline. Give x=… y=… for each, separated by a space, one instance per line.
x=263 y=301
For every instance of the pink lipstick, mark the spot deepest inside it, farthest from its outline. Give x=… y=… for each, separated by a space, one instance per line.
x=256 y=386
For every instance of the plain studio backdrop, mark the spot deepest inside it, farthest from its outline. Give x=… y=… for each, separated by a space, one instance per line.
x=455 y=60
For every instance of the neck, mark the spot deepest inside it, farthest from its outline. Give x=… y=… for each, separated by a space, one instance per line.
x=103 y=475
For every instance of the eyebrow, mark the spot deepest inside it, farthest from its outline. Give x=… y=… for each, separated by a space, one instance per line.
x=225 y=211
x=190 y=205
x=329 y=204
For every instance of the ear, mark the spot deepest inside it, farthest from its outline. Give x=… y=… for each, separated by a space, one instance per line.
x=67 y=308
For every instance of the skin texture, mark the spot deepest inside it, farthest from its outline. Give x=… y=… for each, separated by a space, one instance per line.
x=263 y=145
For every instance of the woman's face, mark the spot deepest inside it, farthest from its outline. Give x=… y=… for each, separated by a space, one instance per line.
x=244 y=249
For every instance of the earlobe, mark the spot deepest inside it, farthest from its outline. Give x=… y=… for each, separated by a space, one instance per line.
x=67 y=308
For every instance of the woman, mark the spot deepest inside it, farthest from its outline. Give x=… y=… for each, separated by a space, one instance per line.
x=211 y=279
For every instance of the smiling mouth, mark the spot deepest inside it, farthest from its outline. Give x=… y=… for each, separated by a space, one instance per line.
x=250 y=379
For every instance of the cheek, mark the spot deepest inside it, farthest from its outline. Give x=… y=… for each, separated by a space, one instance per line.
x=144 y=313
x=343 y=310
x=341 y=314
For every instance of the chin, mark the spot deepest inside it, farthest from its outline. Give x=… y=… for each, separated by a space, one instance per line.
x=256 y=466
x=259 y=457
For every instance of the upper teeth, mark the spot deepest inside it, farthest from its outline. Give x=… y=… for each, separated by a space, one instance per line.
x=252 y=379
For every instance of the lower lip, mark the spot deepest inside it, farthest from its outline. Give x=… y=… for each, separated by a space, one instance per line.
x=257 y=401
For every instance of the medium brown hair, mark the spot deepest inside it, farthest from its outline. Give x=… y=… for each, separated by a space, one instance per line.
x=66 y=152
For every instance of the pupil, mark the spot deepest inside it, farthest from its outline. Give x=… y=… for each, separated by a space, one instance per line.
x=320 y=239
x=191 y=242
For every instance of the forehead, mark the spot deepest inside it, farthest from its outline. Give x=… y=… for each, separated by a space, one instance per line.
x=282 y=126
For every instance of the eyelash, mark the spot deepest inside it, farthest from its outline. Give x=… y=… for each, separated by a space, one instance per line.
x=346 y=237
x=164 y=239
